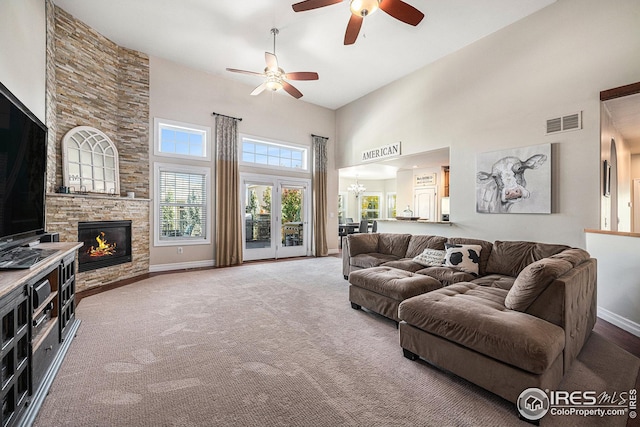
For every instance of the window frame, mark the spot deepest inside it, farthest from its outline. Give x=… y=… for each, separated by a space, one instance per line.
x=270 y=142
x=160 y=123
x=159 y=167
x=380 y=209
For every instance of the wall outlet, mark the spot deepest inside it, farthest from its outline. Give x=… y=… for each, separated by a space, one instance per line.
x=180 y=250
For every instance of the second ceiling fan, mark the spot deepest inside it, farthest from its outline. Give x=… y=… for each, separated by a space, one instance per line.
x=274 y=76
x=362 y=8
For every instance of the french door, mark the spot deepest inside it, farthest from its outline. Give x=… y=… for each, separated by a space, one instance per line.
x=276 y=217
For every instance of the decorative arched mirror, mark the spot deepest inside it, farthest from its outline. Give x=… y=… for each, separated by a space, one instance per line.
x=90 y=161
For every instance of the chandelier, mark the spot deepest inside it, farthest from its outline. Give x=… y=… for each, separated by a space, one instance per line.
x=357 y=188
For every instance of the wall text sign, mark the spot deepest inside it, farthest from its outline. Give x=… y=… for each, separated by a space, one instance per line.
x=390 y=150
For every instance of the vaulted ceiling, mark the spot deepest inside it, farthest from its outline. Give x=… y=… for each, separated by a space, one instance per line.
x=212 y=35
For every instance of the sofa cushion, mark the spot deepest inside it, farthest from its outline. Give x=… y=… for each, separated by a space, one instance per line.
x=393 y=244
x=575 y=256
x=464 y=257
x=447 y=275
x=406 y=264
x=510 y=258
x=475 y=317
x=533 y=280
x=418 y=243
x=430 y=257
x=495 y=281
x=484 y=253
x=393 y=283
x=373 y=259
x=362 y=243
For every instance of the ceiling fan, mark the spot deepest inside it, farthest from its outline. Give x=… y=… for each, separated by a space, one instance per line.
x=274 y=76
x=362 y=8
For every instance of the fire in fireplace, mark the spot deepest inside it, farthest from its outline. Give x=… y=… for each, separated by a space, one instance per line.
x=106 y=243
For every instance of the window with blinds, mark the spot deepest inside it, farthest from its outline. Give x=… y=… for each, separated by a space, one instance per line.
x=182 y=213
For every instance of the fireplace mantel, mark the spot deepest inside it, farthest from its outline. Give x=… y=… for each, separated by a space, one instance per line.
x=97 y=196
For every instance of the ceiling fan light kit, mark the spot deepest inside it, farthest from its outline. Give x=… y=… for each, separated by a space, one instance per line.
x=364 y=7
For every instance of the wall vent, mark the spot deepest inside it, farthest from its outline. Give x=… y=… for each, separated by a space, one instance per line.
x=565 y=123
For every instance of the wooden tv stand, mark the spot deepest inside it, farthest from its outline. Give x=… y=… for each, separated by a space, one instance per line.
x=34 y=340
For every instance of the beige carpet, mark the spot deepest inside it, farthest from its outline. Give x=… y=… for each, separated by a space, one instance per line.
x=274 y=344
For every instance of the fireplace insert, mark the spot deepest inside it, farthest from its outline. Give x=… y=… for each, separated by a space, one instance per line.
x=106 y=243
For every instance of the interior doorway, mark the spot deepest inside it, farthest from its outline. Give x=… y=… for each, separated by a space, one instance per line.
x=276 y=217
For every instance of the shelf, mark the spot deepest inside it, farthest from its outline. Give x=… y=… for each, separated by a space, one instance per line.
x=46 y=302
x=37 y=340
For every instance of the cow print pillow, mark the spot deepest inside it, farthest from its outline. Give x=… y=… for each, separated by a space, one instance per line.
x=464 y=257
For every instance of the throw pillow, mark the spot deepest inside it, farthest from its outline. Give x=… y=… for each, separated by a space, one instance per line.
x=533 y=280
x=430 y=257
x=464 y=257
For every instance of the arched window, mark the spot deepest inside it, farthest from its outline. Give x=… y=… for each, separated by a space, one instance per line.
x=90 y=161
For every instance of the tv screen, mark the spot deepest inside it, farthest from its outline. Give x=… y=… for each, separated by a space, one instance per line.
x=23 y=159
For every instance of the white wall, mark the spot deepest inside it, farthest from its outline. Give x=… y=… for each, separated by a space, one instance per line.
x=187 y=95
x=618 y=279
x=23 y=52
x=498 y=93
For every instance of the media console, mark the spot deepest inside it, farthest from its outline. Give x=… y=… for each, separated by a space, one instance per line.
x=37 y=309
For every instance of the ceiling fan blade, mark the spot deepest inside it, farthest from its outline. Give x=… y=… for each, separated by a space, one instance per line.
x=251 y=73
x=291 y=90
x=402 y=11
x=259 y=89
x=353 y=29
x=271 y=60
x=301 y=75
x=313 y=4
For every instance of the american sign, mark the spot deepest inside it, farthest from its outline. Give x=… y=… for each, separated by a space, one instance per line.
x=390 y=150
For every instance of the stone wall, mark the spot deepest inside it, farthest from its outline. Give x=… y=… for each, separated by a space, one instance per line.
x=98 y=83
x=65 y=211
x=91 y=81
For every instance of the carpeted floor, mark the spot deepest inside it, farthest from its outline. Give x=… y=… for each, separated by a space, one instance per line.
x=273 y=344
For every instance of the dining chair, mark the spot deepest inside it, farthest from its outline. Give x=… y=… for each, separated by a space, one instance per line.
x=374 y=227
x=364 y=226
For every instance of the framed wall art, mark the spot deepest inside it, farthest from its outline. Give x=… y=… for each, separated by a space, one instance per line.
x=515 y=180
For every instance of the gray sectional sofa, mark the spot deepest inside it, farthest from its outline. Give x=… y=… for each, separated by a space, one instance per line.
x=516 y=319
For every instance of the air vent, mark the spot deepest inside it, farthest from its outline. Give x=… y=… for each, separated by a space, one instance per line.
x=565 y=123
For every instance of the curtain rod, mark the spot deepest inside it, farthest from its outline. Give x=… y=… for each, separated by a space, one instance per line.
x=320 y=136
x=230 y=117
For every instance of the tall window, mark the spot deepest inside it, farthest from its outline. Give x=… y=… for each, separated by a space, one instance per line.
x=391 y=205
x=176 y=139
x=181 y=214
x=258 y=152
x=342 y=207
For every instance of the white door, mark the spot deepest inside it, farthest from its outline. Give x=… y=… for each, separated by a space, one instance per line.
x=425 y=203
x=276 y=217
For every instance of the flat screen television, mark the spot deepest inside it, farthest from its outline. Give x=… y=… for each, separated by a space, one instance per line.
x=23 y=162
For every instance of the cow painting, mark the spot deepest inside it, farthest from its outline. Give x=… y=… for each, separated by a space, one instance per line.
x=505 y=185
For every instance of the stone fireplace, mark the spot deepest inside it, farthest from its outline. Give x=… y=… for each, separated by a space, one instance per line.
x=66 y=211
x=91 y=81
x=106 y=243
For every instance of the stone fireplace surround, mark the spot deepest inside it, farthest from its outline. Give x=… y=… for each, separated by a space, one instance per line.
x=64 y=211
x=92 y=81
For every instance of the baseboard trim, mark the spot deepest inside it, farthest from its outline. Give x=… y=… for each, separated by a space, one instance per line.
x=619 y=321
x=157 y=268
x=334 y=251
